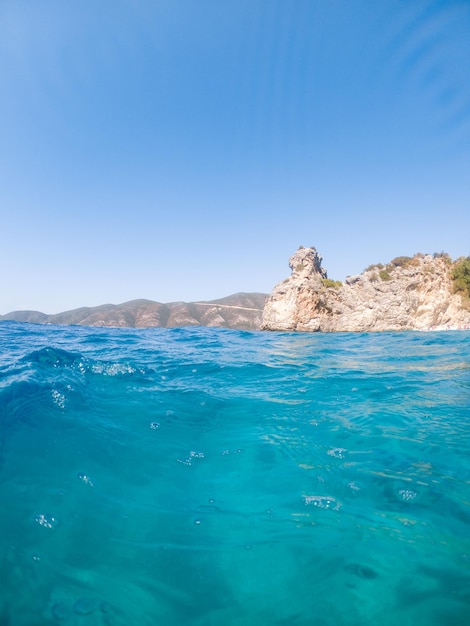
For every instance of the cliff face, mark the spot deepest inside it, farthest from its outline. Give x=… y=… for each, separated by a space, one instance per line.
x=408 y=294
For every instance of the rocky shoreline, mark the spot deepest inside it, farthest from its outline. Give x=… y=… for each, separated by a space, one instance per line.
x=409 y=293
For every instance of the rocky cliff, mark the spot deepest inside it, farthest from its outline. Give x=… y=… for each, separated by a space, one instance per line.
x=407 y=294
x=241 y=311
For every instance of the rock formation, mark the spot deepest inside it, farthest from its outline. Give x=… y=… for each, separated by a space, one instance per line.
x=408 y=294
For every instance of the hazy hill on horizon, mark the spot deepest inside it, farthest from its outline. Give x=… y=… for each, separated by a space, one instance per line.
x=241 y=311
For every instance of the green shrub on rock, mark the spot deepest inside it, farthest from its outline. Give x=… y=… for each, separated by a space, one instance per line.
x=461 y=276
x=385 y=275
x=335 y=284
x=401 y=261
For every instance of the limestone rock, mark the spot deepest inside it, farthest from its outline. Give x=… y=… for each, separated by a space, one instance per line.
x=408 y=294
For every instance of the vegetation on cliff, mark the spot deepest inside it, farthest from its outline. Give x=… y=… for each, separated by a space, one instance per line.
x=461 y=277
x=334 y=284
x=385 y=272
x=460 y=270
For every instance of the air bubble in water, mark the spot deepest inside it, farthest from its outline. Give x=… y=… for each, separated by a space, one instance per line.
x=353 y=486
x=58 y=398
x=192 y=455
x=196 y=455
x=86 y=479
x=47 y=521
x=406 y=495
x=323 y=502
x=338 y=453
x=184 y=461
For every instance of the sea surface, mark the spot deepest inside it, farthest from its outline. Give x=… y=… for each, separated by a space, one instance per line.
x=204 y=476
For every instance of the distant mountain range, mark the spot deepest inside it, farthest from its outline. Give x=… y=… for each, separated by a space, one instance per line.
x=241 y=311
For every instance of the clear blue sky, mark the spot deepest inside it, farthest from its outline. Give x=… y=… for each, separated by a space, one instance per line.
x=183 y=149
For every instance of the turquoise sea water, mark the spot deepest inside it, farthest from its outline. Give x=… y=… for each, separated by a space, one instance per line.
x=205 y=476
